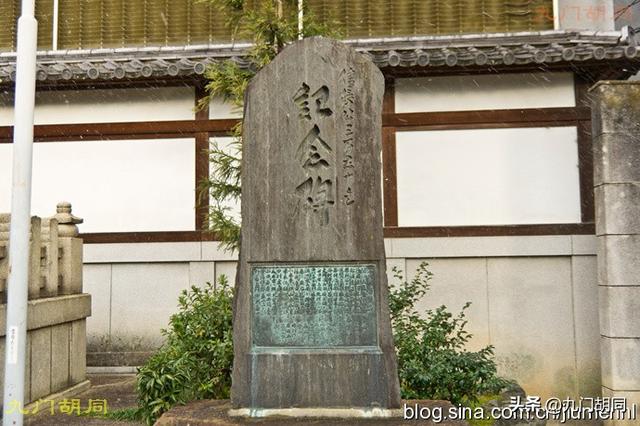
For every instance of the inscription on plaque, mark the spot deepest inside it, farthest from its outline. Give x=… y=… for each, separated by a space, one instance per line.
x=314 y=305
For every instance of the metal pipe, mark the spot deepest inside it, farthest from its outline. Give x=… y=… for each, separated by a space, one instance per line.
x=300 y=19
x=17 y=294
x=56 y=9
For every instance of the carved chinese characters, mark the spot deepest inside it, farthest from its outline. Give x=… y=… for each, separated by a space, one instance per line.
x=311 y=320
x=315 y=155
x=317 y=306
x=347 y=77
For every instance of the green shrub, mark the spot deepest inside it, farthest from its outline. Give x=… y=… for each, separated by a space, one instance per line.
x=195 y=362
x=432 y=360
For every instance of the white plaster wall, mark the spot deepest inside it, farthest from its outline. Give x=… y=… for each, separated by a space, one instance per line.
x=533 y=298
x=116 y=185
x=484 y=92
x=106 y=105
x=488 y=177
x=220 y=109
x=595 y=15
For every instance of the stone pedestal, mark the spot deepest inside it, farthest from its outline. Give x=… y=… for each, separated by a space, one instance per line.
x=312 y=331
x=616 y=139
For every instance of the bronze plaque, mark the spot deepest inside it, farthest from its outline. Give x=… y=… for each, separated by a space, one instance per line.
x=320 y=306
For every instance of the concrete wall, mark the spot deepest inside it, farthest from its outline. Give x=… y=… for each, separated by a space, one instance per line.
x=534 y=298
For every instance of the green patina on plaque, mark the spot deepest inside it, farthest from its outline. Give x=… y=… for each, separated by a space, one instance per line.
x=314 y=305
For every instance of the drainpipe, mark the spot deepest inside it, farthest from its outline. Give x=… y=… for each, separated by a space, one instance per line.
x=300 y=19
x=17 y=292
x=56 y=8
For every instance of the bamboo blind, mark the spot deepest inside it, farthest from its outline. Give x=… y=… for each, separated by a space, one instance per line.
x=9 y=12
x=376 y=18
x=116 y=23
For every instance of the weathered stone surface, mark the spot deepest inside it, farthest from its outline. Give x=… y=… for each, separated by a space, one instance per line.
x=34 y=258
x=616 y=122
x=616 y=107
x=619 y=260
x=60 y=356
x=51 y=274
x=620 y=311
x=616 y=158
x=632 y=397
x=311 y=199
x=52 y=310
x=78 y=356
x=620 y=363
x=40 y=362
x=71 y=266
x=617 y=209
x=66 y=220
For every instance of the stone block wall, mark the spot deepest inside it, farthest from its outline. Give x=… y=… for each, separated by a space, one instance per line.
x=616 y=145
x=56 y=344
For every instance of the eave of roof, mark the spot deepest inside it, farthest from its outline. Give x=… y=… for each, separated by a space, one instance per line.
x=573 y=48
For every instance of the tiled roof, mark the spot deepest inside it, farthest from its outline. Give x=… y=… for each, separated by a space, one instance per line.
x=483 y=50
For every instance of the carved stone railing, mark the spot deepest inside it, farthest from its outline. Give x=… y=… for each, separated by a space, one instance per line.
x=57 y=309
x=55 y=257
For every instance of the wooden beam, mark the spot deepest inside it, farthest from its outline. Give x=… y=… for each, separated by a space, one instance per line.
x=520 y=117
x=585 y=152
x=146 y=237
x=117 y=131
x=389 y=232
x=489 y=231
x=534 y=117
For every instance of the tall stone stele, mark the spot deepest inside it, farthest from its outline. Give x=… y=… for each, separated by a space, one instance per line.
x=312 y=333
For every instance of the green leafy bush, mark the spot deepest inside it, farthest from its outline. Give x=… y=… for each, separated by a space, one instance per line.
x=195 y=362
x=432 y=360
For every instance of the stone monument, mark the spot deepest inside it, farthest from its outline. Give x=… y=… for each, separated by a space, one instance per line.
x=312 y=334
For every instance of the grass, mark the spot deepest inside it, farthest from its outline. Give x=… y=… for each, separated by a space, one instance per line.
x=482 y=400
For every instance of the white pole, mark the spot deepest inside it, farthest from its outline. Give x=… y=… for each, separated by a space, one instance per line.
x=556 y=14
x=56 y=8
x=300 y=19
x=17 y=293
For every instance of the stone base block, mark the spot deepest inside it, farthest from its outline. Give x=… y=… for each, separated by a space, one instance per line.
x=216 y=413
x=326 y=413
x=333 y=379
x=617 y=205
x=620 y=312
x=619 y=260
x=56 y=344
x=620 y=363
x=633 y=405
